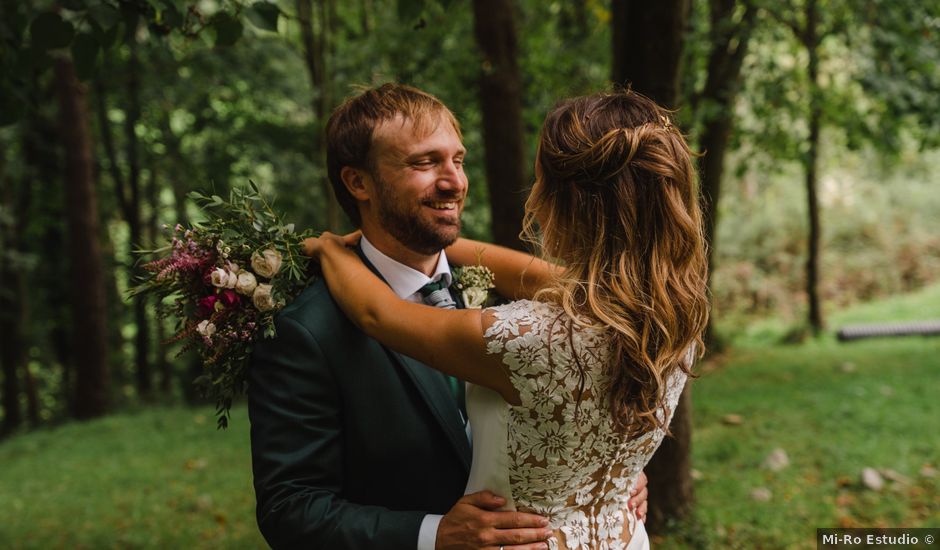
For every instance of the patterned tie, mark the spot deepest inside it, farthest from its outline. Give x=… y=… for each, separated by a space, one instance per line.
x=436 y=294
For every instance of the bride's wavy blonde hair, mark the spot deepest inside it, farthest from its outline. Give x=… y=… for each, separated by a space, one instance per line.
x=616 y=199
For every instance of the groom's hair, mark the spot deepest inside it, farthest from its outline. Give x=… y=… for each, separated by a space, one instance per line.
x=350 y=128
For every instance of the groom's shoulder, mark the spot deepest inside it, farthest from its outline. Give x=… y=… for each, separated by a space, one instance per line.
x=313 y=306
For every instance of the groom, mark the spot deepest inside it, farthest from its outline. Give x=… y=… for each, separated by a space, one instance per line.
x=354 y=445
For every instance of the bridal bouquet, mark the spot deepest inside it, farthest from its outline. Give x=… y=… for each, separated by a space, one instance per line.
x=226 y=278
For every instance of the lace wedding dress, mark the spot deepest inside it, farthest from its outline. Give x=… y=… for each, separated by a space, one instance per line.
x=554 y=455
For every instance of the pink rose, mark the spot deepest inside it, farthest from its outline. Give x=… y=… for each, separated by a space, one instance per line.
x=223 y=278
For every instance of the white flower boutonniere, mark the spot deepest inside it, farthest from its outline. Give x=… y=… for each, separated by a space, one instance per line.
x=474 y=283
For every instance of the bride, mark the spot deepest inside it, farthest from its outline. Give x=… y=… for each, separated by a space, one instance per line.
x=573 y=382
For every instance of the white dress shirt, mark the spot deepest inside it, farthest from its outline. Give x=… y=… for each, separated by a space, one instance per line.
x=406 y=283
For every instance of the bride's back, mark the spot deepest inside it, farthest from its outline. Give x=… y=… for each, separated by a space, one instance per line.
x=561 y=455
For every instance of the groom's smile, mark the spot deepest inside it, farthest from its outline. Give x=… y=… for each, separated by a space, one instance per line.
x=447 y=212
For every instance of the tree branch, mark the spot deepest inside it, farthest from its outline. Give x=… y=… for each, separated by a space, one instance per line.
x=107 y=139
x=789 y=22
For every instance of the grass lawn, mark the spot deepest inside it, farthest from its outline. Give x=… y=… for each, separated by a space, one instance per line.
x=835 y=409
x=165 y=478
x=160 y=478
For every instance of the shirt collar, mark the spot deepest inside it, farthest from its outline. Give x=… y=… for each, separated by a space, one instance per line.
x=405 y=281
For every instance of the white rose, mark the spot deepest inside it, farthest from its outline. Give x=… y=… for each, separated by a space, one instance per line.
x=246 y=283
x=223 y=279
x=474 y=298
x=267 y=263
x=206 y=328
x=262 y=298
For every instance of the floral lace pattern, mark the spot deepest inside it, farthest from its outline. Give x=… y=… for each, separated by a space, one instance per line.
x=566 y=460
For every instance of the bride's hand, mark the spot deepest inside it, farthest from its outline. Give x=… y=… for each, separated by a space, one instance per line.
x=315 y=247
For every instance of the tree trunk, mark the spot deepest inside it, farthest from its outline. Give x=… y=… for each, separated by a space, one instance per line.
x=647 y=44
x=647 y=51
x=191 y=360
x=501 y=107
x=723 y=81
x=153 y=225
x=44 y=168
x=116 y=306
x=132 y=208
x=128 y=194
x=88 y=293
x=671 y=493
x=316 y=47
x=13 y=351
x=12 y=296
x=32 y=396
x=811 y=41
x=175 y=156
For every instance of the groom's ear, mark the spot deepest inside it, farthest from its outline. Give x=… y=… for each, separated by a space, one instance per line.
x=355 y=181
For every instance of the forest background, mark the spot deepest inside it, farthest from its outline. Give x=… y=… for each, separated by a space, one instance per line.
x=818 y=124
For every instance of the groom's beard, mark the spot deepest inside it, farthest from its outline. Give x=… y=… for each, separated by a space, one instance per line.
x=406 y=222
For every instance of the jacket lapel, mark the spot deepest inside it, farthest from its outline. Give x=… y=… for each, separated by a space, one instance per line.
x=457 y=296
x=434 y=389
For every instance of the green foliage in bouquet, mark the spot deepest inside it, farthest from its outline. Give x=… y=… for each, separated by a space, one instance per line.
x=227 y=277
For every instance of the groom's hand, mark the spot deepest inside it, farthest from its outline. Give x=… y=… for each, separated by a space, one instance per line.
x=474 y=523
x=638 y=497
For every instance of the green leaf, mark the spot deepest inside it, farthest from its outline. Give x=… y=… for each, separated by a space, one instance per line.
x=131 y=19
x=104 y=15
x=228 y=29
x=410 y=10
x=85 y=50
x=11 y=106
x=31 y=60
x=264 y=15
x=110 y=36
x=49 y=31
x=171 y=17
x=74 y=5
x=14 y=26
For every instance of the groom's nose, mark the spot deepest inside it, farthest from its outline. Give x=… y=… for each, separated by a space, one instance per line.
x=451 y=177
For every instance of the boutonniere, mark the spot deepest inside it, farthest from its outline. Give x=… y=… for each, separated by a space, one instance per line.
x=474 y=283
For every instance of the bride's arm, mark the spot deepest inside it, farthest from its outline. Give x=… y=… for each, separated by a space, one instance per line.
x=517 y=275
x=447 y=340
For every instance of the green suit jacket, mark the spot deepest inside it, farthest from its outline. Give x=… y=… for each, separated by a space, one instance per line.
x=352 y=444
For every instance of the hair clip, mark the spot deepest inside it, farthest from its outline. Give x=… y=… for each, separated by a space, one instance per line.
x=666 y=124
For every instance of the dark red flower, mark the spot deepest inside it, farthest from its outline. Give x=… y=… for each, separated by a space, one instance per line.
x=229 y=297
x=206 y=306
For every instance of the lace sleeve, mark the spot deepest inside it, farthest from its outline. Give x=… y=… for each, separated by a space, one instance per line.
x=518 y=332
